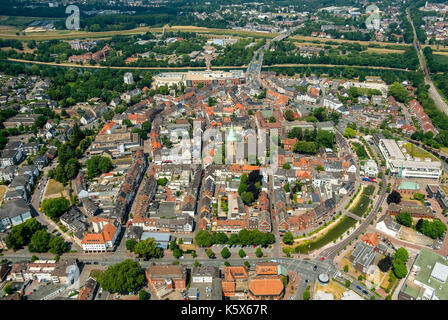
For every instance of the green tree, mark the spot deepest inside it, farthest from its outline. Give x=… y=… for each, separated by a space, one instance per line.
x=21 y=234
x=286 y=166
x=148 y=249
x=289 y=115
x=405 y=219
x=288 y=238
x=97 y=165
x=402 y=255
x=241 y=253
x=162 y=181
x=177 y=253
x=196 y=263
x=210 y=253
x=399 y=269
x=130 y=244
x=346 y=268
x=40 y=241
x=349 y=133
x=259 y=253
x=8 y=289
x=57 y=245
x=247 y=197
x=225 y=253
x=203 y=238
x=143 y=295
x=306 y=294
x=122 y=277
x=55 y=207
x=399 y=92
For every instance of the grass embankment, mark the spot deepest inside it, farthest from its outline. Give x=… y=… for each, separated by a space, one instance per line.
x=332 y=234
x=363 y=203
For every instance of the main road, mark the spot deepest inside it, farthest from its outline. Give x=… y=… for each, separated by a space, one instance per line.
x=331 y=252
x=433 y=93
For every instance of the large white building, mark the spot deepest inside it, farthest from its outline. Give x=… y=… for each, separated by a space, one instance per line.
x=370 y=168
x=406 y=166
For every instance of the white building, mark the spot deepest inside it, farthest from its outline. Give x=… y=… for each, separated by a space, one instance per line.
x=370 y=168
x=406 y=167
x=303 y=97
x=333 y=104
x=128 y=78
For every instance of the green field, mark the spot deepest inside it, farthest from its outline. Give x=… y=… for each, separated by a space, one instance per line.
x=369 y=190
x=442 y=59
x=334 y=233
x=361 y=206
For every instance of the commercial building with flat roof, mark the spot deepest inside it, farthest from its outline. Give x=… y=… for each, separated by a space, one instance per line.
x=407 y=167
x=162 y=239
x=427 y=278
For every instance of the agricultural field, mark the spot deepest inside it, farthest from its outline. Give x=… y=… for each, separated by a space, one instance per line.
x=441 y=58
x=334 y=233
x=71 y=34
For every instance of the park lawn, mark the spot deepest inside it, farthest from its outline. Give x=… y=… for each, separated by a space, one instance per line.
x=417 y=152
x=332 y=234
x=53 y=188
x=369 y=190
x=361 y=206
x=332 y=287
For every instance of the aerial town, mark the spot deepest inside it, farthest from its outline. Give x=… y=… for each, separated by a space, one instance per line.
x=224 y=151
